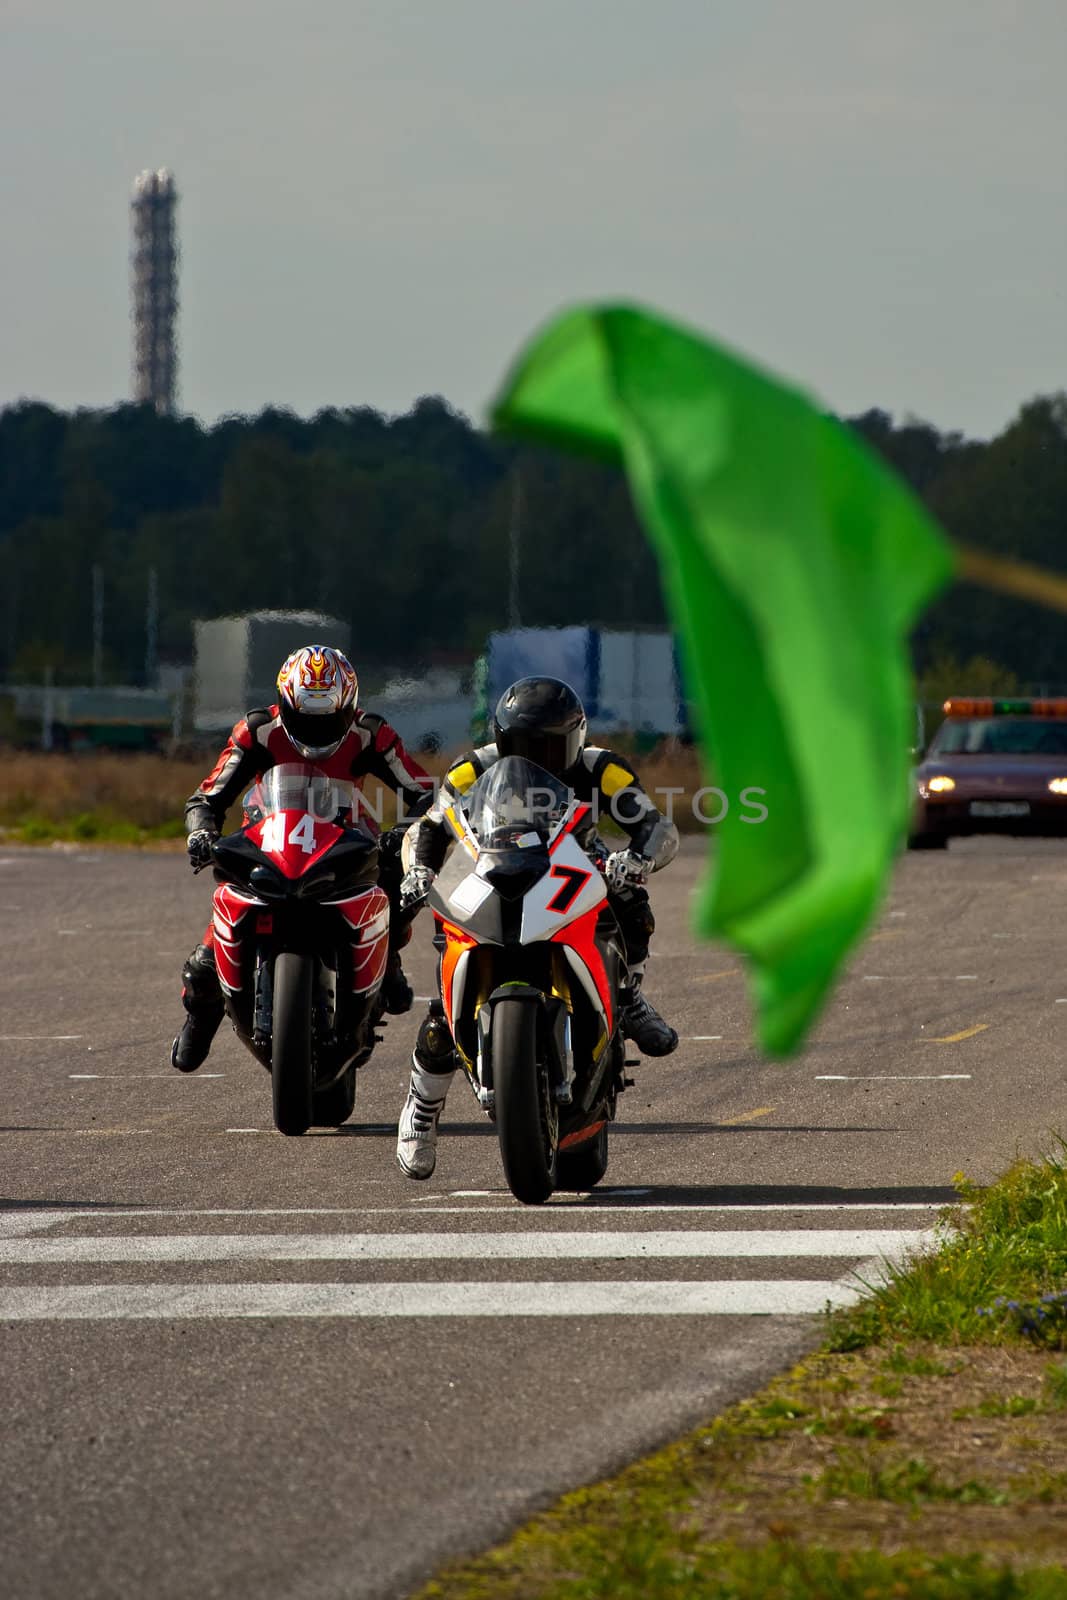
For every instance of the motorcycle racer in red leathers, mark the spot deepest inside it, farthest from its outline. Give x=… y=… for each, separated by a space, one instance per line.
x=316 y=719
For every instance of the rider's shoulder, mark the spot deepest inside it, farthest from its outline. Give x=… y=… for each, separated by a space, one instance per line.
x=608 y=770
x=260 y=717
x=464 y=773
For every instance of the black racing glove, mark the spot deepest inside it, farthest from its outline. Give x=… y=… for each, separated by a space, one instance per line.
x=199 y=845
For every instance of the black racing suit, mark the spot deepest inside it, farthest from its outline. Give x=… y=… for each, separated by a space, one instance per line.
x=608 y=783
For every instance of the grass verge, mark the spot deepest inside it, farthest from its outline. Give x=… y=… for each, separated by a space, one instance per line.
x=108 y=798
x=920 y=1454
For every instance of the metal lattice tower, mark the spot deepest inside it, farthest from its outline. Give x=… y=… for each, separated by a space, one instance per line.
x=154 y=282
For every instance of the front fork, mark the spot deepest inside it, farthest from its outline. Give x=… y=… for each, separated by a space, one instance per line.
x=263 y=1003
x=323 y=1033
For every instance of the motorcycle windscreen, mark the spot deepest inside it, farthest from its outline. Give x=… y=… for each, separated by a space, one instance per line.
x=298 y=786
x=516 y=805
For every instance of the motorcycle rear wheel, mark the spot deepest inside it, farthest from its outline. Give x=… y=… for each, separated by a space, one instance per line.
x=527 y=1122
x=583 y=1167
x=290 y=1050
x=334 y=1105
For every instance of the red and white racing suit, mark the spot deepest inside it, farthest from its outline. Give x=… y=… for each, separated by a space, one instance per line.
x=370 y=749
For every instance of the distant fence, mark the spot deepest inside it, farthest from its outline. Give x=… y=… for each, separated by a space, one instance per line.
x=79 y=717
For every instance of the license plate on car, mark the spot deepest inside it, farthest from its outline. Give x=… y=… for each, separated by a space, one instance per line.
x=1000 y=808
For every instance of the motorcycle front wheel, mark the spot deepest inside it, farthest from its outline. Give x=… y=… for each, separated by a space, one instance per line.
x=527 y=1122
x=290 y=1051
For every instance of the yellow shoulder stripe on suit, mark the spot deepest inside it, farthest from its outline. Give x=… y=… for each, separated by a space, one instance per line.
x=613 y=778
x=461 y=778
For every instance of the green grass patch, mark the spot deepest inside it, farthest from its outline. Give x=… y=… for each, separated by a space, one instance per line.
x=1055 y=1386
x=90 y=827
x=778 y=1571
x=1009 y=1249
x=1012 y=1405
x=907 y=1481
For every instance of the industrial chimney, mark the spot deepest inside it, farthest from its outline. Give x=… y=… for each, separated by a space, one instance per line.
x=154 y=287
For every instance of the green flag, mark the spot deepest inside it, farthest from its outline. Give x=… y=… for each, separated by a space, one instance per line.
x=793 y=566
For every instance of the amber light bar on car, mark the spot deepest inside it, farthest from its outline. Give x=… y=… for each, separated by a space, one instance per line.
x=1005 y=708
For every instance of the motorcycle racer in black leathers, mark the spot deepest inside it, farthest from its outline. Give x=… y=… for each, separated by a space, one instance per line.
x=316 y=719
x=543 y=720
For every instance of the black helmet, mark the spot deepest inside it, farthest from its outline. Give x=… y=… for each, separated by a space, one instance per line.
x=543 y=720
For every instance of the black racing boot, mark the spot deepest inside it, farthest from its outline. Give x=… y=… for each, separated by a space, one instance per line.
x=190 y=1048
x=397 y=994
x=202 y=999
x=642 y=1023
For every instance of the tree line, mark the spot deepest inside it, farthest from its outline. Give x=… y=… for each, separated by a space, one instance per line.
x=400 y=525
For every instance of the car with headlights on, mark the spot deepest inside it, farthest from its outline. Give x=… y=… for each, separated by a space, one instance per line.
x=993 y=766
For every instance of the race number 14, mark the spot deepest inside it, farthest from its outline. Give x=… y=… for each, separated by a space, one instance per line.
x=302 y=836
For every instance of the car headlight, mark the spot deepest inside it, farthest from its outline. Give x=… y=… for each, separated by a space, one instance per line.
x=1058 y=785
x=940 y=785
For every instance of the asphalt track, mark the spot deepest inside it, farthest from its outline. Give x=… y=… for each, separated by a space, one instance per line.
x=241 y=1365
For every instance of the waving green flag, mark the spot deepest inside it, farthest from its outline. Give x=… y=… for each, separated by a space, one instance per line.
x=793 y=565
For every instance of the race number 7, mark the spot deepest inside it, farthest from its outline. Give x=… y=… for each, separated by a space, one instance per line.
x=574 y=881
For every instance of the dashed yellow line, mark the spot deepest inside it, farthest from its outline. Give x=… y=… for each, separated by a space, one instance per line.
x=747 y=1116
x=954 y=1038
x=710 y=977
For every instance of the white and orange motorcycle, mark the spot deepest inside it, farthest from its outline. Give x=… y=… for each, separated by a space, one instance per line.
x=532 y=962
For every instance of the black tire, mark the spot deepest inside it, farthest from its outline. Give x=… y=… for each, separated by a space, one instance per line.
x=583 y=1167
x=527 y=1122
x=928 y=841
x=290 y=1048
x=334 y=1105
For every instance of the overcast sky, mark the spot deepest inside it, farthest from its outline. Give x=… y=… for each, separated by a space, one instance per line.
x=382 y=198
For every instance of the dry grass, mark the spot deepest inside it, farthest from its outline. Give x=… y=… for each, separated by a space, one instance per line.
x=136 y=798
x=142 y=791
x=860 y=1452
x=909 y=1471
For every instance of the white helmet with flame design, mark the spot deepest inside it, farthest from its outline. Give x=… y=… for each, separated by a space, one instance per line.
x=317 y=695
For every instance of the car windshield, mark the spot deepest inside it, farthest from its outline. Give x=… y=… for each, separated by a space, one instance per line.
x=293 y=786
x=1004 y=736
x=515 y=803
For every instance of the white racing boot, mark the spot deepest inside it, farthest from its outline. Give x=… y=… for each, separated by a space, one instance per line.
x=416 y=1144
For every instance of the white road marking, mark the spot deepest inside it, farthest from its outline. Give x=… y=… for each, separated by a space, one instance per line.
x=890 y=1077
x=701 y=1038
x=682 y=1244
x=120 y=1301
x=14 y=1223
x=128 y=1077
x=919 y=977
x=8 y=1038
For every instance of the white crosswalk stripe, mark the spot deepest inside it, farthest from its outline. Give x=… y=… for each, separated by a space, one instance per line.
x=868 y=1249
x=564 y=1246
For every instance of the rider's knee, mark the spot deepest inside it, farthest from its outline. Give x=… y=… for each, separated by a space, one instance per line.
x=434 y=1049
x=200 y=979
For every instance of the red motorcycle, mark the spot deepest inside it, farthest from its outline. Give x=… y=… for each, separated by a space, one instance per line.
x=301 y=933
